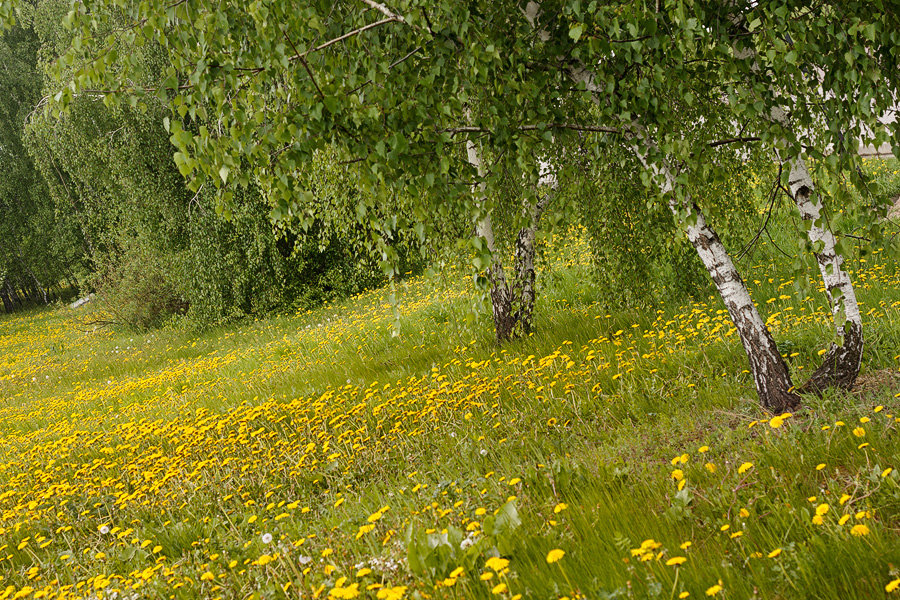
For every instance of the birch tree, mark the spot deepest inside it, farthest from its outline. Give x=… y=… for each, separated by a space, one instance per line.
x=391 y=85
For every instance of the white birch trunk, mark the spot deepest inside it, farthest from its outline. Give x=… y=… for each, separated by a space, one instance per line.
x=501 y=296
x=842 y=361
x=770 y=373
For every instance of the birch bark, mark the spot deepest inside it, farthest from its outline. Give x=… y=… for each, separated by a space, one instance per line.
x=841 y=364
x=842 y=361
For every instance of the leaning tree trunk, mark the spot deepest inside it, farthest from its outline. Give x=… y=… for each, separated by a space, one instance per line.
x=770 y=372
x=842 y=361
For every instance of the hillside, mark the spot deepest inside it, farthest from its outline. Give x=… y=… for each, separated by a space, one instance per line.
x=315 y=455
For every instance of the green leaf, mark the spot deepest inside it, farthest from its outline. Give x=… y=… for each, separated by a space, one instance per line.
x=575 y=31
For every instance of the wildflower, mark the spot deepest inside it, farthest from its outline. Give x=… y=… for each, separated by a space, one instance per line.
x=686 y=545
x=560 y=507
x=859 y=432
x=683 y=595
x=266 y=538
x=677 y=475
x=886 y=472
x=820 y=466
x=499 y=588
x=745 y=467
x=710 y=467
x=822 y=510
x=776 y=422
x=676 y=561
x=892 y=586
x=774 y=553
x=703 y=449
x=554 y=555
x=349 y=592
x=391 y=593
x=207 y=576
x=713 y=590
x=744 y=513
x=859 y=530
x=496 y=563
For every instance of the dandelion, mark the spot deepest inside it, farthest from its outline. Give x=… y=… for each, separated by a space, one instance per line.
x=267 y=538
x=886 y=472
x=496 y=563
x=892 y=586
x=715 y=589
x=774 y=553
x=391 y=593
x=820 y=466
x=676 y=561
x=859 y=530
x=560 y=507
x=677 y=475
x=499 y=588
x=745 y=467
x=859 y=432
x=554 y=555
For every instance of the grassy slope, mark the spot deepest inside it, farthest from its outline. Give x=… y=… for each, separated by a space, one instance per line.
x=159 y=463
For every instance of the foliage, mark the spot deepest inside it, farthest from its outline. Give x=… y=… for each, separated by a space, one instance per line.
x=38 y=244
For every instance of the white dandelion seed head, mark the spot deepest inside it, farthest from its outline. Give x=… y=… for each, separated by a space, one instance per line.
x=104 y=530
x=267 y=538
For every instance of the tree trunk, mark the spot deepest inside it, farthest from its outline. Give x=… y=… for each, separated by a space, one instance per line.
x=512 y=304
x=770 y=372
x=842 y=361
x=525 y=278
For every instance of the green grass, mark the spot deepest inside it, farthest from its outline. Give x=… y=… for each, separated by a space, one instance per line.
x=190 y=447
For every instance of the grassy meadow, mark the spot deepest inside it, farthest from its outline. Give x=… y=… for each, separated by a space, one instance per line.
x=318 y=456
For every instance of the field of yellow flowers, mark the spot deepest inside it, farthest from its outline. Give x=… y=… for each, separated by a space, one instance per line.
x=319 y=456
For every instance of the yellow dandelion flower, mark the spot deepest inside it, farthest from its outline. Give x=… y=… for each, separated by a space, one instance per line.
x=859 y=530
x=554 y=555
x=496 y=563
x=713 y=590
x=675 y=561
